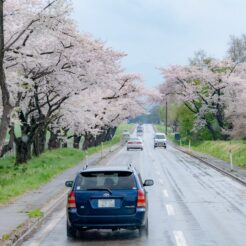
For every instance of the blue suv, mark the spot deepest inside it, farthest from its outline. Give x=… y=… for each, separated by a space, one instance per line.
x=107 y=198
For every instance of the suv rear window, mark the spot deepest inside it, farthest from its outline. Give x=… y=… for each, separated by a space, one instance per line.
x=106 y=180
x=159 y=136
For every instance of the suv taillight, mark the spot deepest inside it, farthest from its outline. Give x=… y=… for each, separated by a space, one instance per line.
x=71 y=201
x=141 y=202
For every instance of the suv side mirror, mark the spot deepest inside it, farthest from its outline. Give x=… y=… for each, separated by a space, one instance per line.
x=148 y=182
x=69 y=184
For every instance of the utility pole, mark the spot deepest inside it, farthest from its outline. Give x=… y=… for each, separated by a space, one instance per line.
x=166 y=118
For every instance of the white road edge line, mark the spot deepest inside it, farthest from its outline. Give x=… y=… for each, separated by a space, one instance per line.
x=170 y=210
x=161 y=181
x=165 y=193
x=179 y=237
x=49 y=228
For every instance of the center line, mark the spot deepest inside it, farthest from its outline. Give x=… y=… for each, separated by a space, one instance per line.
x=170 y=210
x=180 y=239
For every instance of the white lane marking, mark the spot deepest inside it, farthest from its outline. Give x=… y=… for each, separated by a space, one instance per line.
x=170 y=210
x=158 y=173
x=161 y=181
x=48 y=228
x=151 y=155
x=179 y=237
x=165 y=193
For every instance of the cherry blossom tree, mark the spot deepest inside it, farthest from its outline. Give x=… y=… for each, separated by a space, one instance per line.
x=202 y=89
x=235 y=101
x=60 y=80
x=21 y=20
x=99 y=110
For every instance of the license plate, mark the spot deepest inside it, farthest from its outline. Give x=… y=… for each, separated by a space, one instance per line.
x=106 y=203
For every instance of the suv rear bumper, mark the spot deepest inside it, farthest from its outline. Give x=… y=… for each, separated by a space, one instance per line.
x=134 y=147
x=163 y=144
x=133 y=221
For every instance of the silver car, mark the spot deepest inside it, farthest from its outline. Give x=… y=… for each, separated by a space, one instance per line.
x=160 y=140
x=134 y=143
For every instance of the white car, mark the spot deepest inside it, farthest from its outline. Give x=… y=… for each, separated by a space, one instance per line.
x=160 y=140
x=126 y=134
x=134 y=143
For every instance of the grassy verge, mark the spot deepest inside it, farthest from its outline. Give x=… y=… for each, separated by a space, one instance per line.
x=218 y=149
x=16 y=180
x=162 y=128
x=36 y=213
x=221 y=150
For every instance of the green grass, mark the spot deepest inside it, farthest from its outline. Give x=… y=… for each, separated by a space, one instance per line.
x=218 y=149
x=15 y=180
x=221 y=150
x=162 y=128
x=18 y=179
x=5 y=237
x=36 y=213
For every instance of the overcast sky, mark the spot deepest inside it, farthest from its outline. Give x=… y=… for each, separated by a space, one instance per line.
x=158 y=33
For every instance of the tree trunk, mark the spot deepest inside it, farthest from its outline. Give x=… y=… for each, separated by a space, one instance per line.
x=100 y=138
x=54 y=141
x=10 y=145
x=211 y=130
x=107 y=135
x=89 y=141
x=7 y=108
x=39 y=142
x=76 y=141
x=110 y=133
x=86 y=142
x=23 y=150
x=114 y=131
x=64 y=145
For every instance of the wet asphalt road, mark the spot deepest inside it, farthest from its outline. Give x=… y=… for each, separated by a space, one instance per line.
x=189 y=205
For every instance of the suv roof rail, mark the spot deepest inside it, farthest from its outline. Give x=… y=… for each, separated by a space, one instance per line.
x=85 y=167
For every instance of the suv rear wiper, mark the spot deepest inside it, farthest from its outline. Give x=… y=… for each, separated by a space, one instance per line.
x=102 y=189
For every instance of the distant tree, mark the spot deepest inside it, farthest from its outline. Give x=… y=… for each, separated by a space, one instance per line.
x=202 y=89
x=200 y=59
x=237 y=48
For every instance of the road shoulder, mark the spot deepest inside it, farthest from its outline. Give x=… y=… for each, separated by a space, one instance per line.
x=15 y=222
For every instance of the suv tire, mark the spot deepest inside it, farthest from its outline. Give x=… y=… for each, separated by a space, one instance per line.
x=144 y=230
x=71 y=231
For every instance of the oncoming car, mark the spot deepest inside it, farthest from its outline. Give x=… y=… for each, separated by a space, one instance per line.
x=160 y=140
x=134 y=143
x=107 y=198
